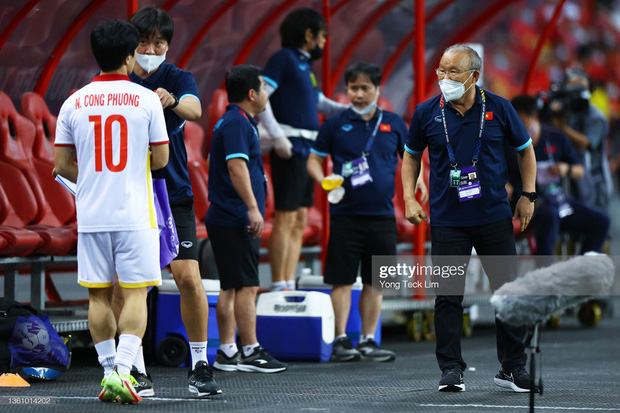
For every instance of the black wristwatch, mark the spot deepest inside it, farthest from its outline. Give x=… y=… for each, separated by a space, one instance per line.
x=176 y=101
x=532 y=196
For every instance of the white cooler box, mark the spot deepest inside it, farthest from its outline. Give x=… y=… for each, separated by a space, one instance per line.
x=296 y=325
x=354 y=322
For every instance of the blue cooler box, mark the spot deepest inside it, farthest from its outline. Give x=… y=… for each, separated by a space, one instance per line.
x=354 y=323
x=296 y=325
x=169 y=323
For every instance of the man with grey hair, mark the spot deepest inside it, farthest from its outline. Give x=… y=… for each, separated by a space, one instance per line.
x=465 y=129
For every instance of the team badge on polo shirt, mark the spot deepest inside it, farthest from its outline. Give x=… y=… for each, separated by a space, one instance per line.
x=385 y=127
x=302 y=66
x=438 y=119
x=347 y=127
x=488 y=116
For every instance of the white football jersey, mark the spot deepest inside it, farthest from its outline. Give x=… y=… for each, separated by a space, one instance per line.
x=111 y=122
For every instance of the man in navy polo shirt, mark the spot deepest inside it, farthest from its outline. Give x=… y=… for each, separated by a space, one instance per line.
x=235 y=220
x=292 y=120
x=178 y=94
x=364 y=143
x=465 y=129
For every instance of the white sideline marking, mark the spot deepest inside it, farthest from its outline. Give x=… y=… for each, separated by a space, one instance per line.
x=496 y=406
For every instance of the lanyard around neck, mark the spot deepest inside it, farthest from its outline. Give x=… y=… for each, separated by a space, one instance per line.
x=474 y=159
x=251 y=124
x=374 y=134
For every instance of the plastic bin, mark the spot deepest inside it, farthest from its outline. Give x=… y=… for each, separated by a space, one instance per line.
x=296 y=325
x=354 y=323
x=172 y=346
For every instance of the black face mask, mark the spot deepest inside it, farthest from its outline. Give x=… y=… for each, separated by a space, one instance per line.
x=316 y=53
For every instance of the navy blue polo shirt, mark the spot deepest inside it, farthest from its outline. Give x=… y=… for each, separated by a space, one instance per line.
x=502 y=125
x=235 y=136
x=296 y=96
x=551 y=139
x=181 y=84
x=345 y=137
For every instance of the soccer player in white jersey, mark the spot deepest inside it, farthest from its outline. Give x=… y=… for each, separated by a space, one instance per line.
x=110 y=124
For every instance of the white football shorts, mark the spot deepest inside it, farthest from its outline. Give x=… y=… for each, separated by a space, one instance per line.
x=133 y=255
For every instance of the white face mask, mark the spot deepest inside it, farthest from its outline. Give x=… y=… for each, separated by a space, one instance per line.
x=150 y=62
x=368 y=109
x=453 y=90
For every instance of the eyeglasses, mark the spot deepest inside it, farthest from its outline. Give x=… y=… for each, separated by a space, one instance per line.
x=451 y=73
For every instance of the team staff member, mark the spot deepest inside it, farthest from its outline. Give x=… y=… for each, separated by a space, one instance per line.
x=235 y=220
x=178 y=94
x=296 y=102
x=117 y=229
x=465 y=129
x=364 y=143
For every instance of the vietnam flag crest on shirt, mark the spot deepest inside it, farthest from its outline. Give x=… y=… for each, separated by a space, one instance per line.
x=385 y=127
x=488 y=116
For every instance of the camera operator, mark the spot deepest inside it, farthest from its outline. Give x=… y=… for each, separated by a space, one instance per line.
x=587 y=128
x=556 y=159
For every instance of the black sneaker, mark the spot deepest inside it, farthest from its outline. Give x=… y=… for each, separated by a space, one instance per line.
x=452 y=380
x=371 y=350
x=517 y=379
x=343 y=351
x=144 y=383
x=260 y=361
x=225 y=363
x=201 y=380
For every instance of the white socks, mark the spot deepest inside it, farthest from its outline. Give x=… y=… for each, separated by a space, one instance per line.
x=126 y=352
x=247 y=350
x=229 y=349
x=278 y=286
x=138 y=361
x=198 y=350
x=366 y=337
x=283 y=285
x=106 y=352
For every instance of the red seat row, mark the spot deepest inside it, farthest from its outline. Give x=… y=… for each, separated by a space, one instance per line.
x=38 y=215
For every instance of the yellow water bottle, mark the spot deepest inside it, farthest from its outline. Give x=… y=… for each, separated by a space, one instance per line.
x=331 y=182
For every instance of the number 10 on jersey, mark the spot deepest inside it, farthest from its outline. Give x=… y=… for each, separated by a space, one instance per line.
x=107 y=143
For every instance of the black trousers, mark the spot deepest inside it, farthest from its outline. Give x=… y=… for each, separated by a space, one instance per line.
x=452 y=246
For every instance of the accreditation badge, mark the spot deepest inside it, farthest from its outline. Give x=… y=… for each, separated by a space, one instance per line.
x=469 y=186
x=358 y=170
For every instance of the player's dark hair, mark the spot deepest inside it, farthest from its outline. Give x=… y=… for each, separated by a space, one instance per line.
x=363 y=68
x=293 y=28
x=525 y=104
x=240 y=79
x=112 y=42
x=149 y=20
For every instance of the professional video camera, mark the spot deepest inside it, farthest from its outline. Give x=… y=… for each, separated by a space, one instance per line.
x=562 y=100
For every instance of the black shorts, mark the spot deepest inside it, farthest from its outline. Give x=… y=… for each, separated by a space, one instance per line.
x=357 y=238
x=236 y=256
x=292 y=185
x=185 y=221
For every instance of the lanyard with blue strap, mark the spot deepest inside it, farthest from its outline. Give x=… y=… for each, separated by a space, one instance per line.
x=358 y=169
x=455 y=173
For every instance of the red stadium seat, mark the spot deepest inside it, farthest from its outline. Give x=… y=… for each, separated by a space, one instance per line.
x=17 y=241
x=21 y=183
x=215 y=110
x=42 y=155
